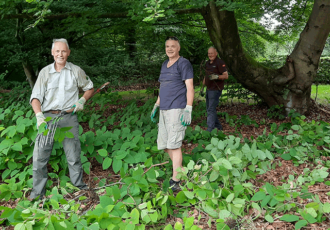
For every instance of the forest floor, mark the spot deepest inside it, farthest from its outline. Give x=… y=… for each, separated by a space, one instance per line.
x=276 y=176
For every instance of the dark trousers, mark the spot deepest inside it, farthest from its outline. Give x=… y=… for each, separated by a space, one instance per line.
x=212 y=101
x=72 y=151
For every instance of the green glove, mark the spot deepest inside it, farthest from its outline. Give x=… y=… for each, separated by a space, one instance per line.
x=186 y=116
x=213 y=77
x=153 y=113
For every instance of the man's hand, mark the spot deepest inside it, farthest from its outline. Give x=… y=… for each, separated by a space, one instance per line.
x=186 y=116
x=40 y=119
x=153 y=113
x=214 y=77
x=79 y=105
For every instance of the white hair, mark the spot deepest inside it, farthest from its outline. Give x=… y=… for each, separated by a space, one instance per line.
x=60 y=40
x=212 y=47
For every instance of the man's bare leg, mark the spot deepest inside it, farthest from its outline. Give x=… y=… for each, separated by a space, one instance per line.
x=169 y=153
x=176 y=157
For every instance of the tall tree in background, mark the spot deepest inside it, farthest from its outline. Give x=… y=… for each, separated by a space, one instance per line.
x=289 y=85
x=226 y=21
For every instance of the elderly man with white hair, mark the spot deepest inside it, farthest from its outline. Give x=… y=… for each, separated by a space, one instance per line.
x=217 y=73
x=56 y=91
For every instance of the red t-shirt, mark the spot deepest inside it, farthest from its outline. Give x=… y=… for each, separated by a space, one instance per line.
x=216 y=67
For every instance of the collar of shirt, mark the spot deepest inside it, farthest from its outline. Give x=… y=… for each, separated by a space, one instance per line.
x=53 y=70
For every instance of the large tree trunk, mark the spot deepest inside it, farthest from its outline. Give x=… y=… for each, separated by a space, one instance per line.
x=290 y=85
x=28 y=69
x=29 y=72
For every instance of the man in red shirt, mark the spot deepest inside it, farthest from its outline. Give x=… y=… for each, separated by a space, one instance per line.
x=216 y=73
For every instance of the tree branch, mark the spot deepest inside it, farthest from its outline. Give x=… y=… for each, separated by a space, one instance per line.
x=81 y=37
x=107 y=15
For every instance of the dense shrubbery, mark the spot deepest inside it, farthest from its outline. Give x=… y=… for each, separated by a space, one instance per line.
x=215 y=176
x=323 y=73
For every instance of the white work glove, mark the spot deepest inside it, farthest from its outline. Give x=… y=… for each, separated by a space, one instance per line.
x=153 y=113
x=186 y=116
x=40 y=119
x=213 y=77
x=79 y=105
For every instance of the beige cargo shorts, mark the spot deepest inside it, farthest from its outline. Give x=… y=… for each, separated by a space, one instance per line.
x=170 y=130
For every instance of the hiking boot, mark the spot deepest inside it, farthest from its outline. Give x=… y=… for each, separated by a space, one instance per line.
x=175 y=185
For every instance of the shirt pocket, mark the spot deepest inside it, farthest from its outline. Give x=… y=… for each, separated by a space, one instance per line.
x=71 y=84
x=52 y=83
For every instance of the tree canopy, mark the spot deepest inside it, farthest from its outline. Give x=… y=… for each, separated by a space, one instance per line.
x=124 y=39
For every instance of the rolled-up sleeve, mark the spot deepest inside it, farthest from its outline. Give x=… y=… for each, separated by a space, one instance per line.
x=84 y=81
x=38 y=91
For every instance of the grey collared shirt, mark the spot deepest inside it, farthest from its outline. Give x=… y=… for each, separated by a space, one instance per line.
x=60 y=90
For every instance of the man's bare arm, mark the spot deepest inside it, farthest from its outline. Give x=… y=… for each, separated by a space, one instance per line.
x=36 y=106
x=190 y=91
x=87 y=95
x=223 y=76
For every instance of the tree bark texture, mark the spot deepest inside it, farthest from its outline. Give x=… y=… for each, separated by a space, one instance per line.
x=28 y=69
x=289 y=85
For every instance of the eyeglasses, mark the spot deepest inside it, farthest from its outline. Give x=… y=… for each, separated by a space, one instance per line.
x=172 y=38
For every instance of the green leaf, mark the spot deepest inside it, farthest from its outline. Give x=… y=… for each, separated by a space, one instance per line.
x=313 y=205
x=116 y=193
x=226 y=164
x=135 y=215
x=69 y=135
x=12 y=165
x=17 y=147
x=188 y=222
x=209 y=210
x=214 y=175
x=230 y=197
x=326 y=207
x=189 y=195
x=103 y=152
x=5 y=174
x=258 y=196
x=270 y=189
x=117 y=164
x=289 y=218
x=19 y=226
x=235 y=160
x=308 y=217
x=286 y=156
x=180 y=197
x=300 y=224
x=178 y=226
x=64 y=129
x=269 y=218
x=214 y=141
x=106 y=163
x=222 y=226
x=168 y=227
x=61 y=137
x=20 y=128
x=224 y=214
x=221 y=145
x=265 y=201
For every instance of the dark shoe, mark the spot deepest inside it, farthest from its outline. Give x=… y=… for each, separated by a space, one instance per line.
x=175 y=185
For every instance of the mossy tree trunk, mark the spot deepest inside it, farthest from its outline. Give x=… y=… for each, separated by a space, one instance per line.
x=289 y=85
